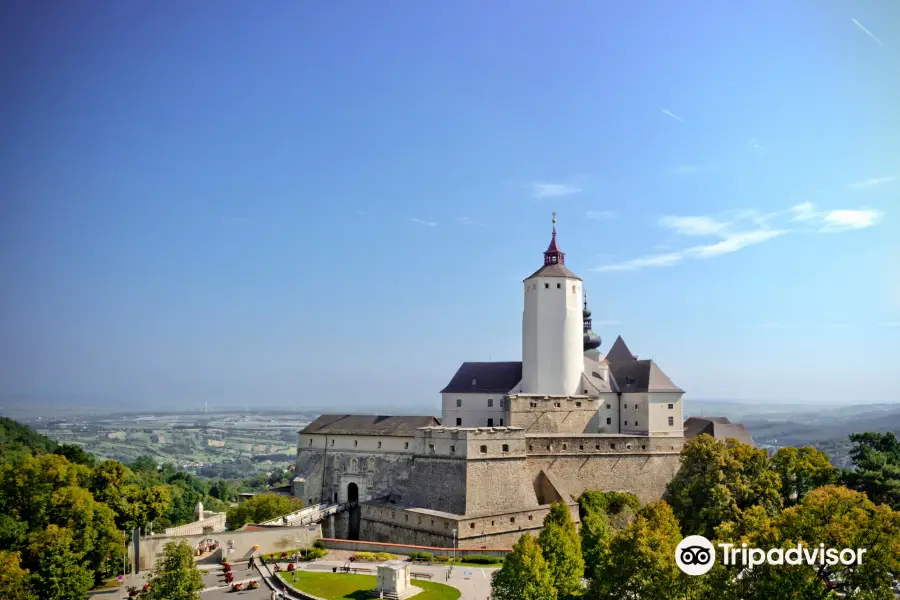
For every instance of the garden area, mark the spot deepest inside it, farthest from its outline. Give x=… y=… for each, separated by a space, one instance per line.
x=473 y=560
x=343 y=586
x=298 y=554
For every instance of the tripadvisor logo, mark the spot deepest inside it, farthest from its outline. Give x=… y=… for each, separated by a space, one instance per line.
x=695 y=555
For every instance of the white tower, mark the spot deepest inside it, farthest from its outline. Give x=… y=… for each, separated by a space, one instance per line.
x=552 y=327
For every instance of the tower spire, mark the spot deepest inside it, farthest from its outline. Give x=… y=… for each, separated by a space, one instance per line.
x=554 y=255
x=591 y=340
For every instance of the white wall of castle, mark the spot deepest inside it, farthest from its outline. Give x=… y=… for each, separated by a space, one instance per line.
x=474 y=410
x=552 y=336
x=650 y=414
x=355 y=443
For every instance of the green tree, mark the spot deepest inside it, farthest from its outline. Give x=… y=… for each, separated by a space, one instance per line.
x=876 y=457
x=524 y=575
x=176 y=576
x=92 y=527
x=561 y=547
x=717 y=481
x=260 y=508
x=834 y=516
x=596 y=533
x=640 y=562
x=802 y=470
x=15 y=582
x=145 y=464
x=77 y=455
x=222 y=490
x=58 y=573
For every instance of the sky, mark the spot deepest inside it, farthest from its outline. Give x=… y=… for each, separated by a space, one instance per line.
x=334 y=204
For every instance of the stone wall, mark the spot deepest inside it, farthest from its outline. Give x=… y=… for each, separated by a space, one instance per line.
x=436 y=483
x=498 y=484
x=600 y=444
x=270 y=539
x=644 y=474
x=554 y=414
x=361 y=546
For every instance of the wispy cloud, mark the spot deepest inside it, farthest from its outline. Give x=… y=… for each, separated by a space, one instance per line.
x=673 y=115
x=867 y=183
x=423 y=222
x=600 y=215
x=469 y=221
x=739 y=229
x=866 y=31
x=543 y=189
x=755 y=145
x=685 y=170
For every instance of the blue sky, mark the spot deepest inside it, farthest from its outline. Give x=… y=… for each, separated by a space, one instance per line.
x=334 y=204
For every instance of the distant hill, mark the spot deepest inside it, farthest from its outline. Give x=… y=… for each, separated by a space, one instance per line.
x=16 y=439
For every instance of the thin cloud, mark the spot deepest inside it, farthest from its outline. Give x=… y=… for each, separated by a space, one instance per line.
x=867 y=183
x=423 y=222
x=842 y=220
x=735 y=242
x=684 y=170
x=866 y=31
x=701 y=225
x=542 y=189
x=754 y=145
x=600 y=215
x=804 y=212
x=659 y=260
x=673 y=115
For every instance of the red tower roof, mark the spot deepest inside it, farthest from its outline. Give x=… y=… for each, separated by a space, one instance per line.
x=553 y=255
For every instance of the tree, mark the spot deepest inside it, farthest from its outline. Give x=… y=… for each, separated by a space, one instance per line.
x=260 y=508
x=524 y=575
x=802 y=470
x=59 y=573
x=15 y=581
x=834 y=516
x=640 y=562
x=75 y=454
x=595 y=536
x=176 y=576
x=717 y=481
x=876 y=457
x=146 y=464
x=222 y=490
x=561 y=547
x=619 y=507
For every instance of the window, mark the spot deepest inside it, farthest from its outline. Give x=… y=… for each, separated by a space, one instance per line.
x=533 y=404
x=490 y=403
x=332 y=442
x=671 y=421
x=458 y=402
x=432 y=521
x=556 y=404
x=335 y=496
x=506 y=447
x=458 y=422
x=501 y=422
x=625 y=406
x=483 y=449
x=512 y=519
x=671 y=406
x=635 y=407
x=492 y=522
x=471 y=525
x=628 y=446
x=597 y=447
x=355 y=443
x=546 y=286
x=636 y=423
x=502 y=403
x=643 y=447
x=565 y=446
x=446 y=525
x=406 y=517
x=626 y=423
x=431 y=447
x=581 y=446
x=558 y=286
x=608 y=406
x=573 y=289
x=579 y=403
x=609 y=420
x=371 y=463
x=406 y=445
x=310 y=441
x=379 y=444
x=452 y=449
x=612 y=446
x=353 y=465
x=490 y=422
x=530 y=517
x=530 y=448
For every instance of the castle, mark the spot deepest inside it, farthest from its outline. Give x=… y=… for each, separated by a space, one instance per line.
x=513 y=437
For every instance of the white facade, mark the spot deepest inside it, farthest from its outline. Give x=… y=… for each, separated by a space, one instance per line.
x=552 y=336
x=357 y=443
x=474 y=410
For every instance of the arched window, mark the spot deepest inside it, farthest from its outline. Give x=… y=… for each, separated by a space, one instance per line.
x=371 y=463
x=353 y=465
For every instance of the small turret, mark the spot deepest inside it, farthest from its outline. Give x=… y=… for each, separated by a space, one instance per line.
x=591 y=340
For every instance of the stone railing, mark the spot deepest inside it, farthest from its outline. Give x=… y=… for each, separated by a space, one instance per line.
x=216 y=522
x=309 y=515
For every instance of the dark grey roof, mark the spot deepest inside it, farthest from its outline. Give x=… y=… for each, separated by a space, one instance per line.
x=557 y=270
x=641 y=376
x=485 y=377
x=619 y=352
x=368 y=425
x=718 y=427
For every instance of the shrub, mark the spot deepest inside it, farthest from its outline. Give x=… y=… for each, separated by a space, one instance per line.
x=229 y=577
x=291 y=567
x=319 y=544
x=316 y=553
x=253 y=585
x=481 y=559
x=237 y=587
x=365 y=556
x=227 y=568
x=381 y=556
x=421 y=556
x=442 y=559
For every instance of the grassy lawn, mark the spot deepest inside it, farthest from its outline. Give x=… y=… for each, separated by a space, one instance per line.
x=343 y=586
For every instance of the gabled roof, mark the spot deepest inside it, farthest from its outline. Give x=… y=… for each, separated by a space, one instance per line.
x=641 y=376
x=593 y=377
x=368 y=425
x=485 y=378
x=556 y=270
x=718 y=427
x=619 y=352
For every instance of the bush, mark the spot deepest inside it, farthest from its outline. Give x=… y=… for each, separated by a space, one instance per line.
x=382 y=556
x=319 y=544
x=421 y=556
x=315 y=553
x=365 y=556
x=481 y=559
x=442 y=559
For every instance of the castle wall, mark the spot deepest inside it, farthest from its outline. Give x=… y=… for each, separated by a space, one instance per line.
x=474 y=410
x=436 y=483
x=554 y=414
